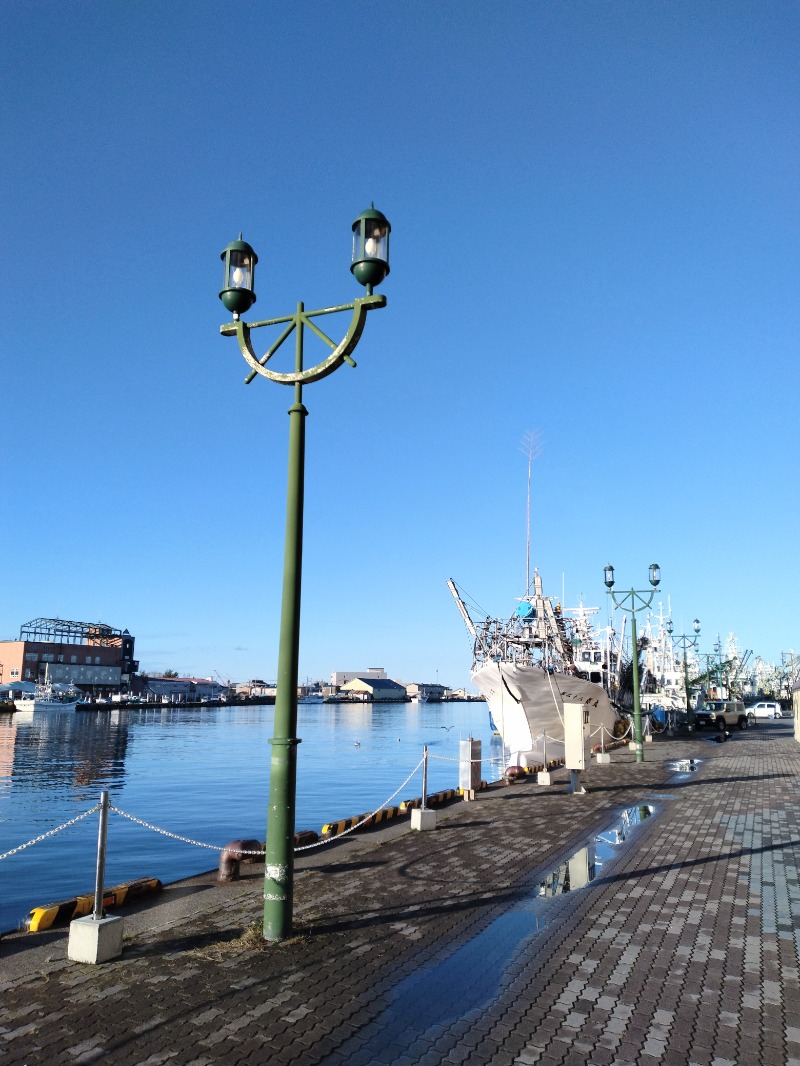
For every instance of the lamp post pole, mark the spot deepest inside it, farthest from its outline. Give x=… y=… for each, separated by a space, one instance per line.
x=686 y=641
x=370 y=265
x=631 y=602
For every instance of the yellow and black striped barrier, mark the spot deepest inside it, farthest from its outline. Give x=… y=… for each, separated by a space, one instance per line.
x=432 y=800
x=58 y=913
x=332 y=829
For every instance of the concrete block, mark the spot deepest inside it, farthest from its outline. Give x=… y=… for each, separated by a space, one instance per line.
x=468 y=794
x=543 y=778
x=603 y=758
x=649 y=738
x=94 y=941
x=423 y=819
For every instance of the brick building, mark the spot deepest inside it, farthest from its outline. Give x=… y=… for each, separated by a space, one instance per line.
x=89 y=655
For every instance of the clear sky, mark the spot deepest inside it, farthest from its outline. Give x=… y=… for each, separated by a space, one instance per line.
x=595 y=238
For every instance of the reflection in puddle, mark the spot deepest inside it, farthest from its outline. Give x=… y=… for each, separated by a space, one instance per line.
x=685 y=766
x=423 y=1006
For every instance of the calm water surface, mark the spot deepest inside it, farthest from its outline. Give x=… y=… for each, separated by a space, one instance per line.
x=202 y=774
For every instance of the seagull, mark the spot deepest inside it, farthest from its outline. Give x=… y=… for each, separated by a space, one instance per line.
x=446 y=727
x=358 y=743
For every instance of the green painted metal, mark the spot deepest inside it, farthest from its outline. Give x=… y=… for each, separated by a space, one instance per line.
x=238 y=298
x=631 y=602
x=371 y=264
x=637 y=704
x=279 y=855
x=299 y=322
x=685 y=641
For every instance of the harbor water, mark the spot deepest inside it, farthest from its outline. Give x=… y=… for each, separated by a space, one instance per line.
x=201 y=774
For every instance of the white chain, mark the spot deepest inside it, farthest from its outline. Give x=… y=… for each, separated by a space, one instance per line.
x=174 y=836
x=366 y=818
x=50 y=833
x=215 y=847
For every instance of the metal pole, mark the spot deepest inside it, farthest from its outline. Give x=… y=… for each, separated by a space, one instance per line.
x=102 y=832
x=425 y=777
x=689 y=711
x=637 y=708
x=279 y=853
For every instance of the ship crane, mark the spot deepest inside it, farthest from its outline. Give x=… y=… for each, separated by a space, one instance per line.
x=462 y=607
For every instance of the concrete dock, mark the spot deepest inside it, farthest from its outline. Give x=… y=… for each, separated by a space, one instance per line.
x=450 y=946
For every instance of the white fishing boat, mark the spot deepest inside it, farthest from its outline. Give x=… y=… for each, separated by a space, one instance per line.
x=29 y=696
x=529 y=665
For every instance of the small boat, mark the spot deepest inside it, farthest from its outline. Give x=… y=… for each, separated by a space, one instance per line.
x=46 y=696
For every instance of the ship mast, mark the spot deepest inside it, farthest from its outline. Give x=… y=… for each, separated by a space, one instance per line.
x=530 y=446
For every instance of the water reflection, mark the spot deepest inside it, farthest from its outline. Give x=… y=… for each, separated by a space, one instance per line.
x=201 y=773
x=58 y=749
x=424 y=1005
x=685 y=766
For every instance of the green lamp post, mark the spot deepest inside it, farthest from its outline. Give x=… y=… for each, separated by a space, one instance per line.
x=631 y=602
x=370 y=265
x=684 y=641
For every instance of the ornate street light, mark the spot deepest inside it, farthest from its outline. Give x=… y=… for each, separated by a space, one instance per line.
x=631 y=602
x=370 y=266
x=686 y=641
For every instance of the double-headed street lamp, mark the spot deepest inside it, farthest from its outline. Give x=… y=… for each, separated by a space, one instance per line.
x=631 y=602
x=370 y=265
x=685 y=641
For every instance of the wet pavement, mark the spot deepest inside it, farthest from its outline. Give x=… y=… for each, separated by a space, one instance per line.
x=653 y=920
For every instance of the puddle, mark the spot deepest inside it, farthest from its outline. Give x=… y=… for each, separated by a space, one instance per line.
x=685 y=766
x=423 y=1006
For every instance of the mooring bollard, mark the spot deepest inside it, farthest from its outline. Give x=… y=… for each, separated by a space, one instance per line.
x=94 y=938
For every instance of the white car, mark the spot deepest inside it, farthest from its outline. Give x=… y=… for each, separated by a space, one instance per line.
x=765 y=709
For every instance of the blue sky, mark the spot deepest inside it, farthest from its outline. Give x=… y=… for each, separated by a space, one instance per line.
x=595 y=238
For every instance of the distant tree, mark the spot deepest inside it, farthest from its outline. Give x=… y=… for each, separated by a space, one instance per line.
x=170 y=673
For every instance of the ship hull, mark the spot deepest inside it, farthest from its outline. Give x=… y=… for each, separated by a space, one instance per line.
x=526 y=704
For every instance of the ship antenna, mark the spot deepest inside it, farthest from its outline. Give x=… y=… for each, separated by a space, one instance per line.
x=530 y=446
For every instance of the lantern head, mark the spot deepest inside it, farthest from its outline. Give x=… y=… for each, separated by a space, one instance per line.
x=370 y=247
x=238 y=279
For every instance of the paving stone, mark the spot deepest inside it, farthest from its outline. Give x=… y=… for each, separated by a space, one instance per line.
x=684 y=945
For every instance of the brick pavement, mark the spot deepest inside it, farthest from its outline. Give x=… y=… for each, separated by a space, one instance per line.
x=431 y=948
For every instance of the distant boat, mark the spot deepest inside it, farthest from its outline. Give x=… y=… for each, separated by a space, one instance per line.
x=47 y=697
x=420 y=697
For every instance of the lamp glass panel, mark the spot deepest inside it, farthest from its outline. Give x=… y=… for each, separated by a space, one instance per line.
x=240 y=274
x=376 y=239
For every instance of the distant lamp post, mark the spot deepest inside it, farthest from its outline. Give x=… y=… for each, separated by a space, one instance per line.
x=370 y=266
x=631 y=602
x=684 y=641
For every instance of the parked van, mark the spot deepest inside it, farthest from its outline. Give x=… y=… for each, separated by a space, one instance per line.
x=765 y=709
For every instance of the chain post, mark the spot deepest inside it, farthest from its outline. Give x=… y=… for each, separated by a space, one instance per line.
x=102 y=832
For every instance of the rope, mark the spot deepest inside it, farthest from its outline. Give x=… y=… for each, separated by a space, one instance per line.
x=50 y=833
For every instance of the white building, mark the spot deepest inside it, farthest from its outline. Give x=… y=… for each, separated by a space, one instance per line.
x=341 y=677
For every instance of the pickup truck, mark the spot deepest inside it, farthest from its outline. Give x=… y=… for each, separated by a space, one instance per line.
x=722 y=714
